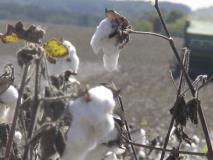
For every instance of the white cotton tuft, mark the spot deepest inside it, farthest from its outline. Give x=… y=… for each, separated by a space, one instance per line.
x=103 y=30
x=110 y=46
x=74 y=80
x=196 y=139
x=10 y=96
x=111 y=156
x=101 y=150
x=139 y=136
x=141 y=154
x=111 y=62
x=9 y=99
x=91 y=121
x=72 y=56
x=69 y=62
x=102 y=98
x=55 y=156
x=152 y=2
x=18 y=137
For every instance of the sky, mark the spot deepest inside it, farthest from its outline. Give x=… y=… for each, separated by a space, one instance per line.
x=193 y=4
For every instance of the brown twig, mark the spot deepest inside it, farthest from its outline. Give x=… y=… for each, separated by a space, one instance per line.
x=126 y=125
x=202 y=118
x=13 y=127
x=53 y=99
x=148 y=33
x=165 y=150
x=34 y=107
x=172 y=44
x=173 y=117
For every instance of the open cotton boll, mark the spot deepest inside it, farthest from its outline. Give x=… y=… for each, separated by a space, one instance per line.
x=69 y=62
x=103 y=30
x=55 y=156
x=102 y=99
x=17 y=137
x=74 y=59
x=111 y=156
x=110 y=46
x=9 y=98
x=139 y=136
x=91 y=121
x=111 y=60
x=102 y=149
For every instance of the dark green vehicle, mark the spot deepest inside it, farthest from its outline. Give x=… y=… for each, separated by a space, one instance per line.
x=198 y=37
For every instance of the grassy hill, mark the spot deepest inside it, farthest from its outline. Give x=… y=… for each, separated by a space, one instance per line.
x=80 y=12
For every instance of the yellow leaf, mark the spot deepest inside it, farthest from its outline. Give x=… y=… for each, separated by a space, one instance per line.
x=55 y=48
x=10 y=38
x=204 y=149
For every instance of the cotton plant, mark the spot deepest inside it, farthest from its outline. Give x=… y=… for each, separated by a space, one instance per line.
x=105 y=151
x=69 y=62
x=110 y=37
x=92 y=121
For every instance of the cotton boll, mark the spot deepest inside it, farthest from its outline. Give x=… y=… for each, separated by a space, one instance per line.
x=91 y=121
x=55 y=156
x=152 y=2
x=104 y=29
x=111 y=156
x=141 y=154
x=196 y=139
x=102 y=98
x=18 y=137
x=72 y=56
x=139 y=136
x=74 y=80
x=110 y=46
x=101 y=149
x=98 y=152
x=69 y=62
x=111 y=62
x=9 y=98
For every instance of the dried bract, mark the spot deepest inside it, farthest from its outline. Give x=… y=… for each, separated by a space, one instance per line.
x=32 y=34
x=7 y=78
x=179 y=111
x=192 y=108
x=26 y=54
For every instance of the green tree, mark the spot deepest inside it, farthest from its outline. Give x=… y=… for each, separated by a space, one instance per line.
x=173 y=16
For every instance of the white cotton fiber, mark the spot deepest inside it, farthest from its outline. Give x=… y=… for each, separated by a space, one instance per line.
x=10 y=96
x=100 y=150
x=74 y=63
x=18 y=137
x=110 y=46
x=9 y=99
x=62 y=64
x=104 y=29
x=111 y=62
x=91 y=121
